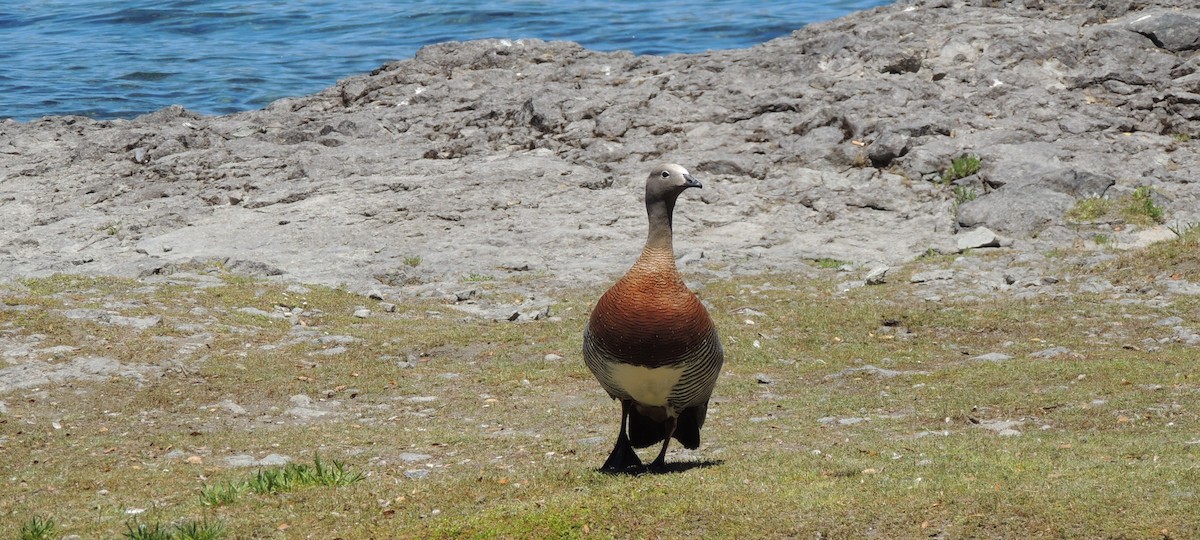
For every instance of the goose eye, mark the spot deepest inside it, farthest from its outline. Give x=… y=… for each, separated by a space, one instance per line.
x=666 y=174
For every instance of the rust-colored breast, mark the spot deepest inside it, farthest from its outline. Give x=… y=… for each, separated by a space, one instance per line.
x=650 y=318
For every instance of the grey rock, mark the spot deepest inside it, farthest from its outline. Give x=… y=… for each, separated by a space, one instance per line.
x=979 y=237
x=793 y=167
x=1021 y=211
x=228 y=406
x=932 y=275
x=362 y=313
x=1169 y=321
x=872 y=370
x=877 y=275
x=992 y=357
x=246 y=460
x=1052 y=352
x=1173 y=31
x=409 y=457
x=763 y=378
x=416 y=474
x=274 y=460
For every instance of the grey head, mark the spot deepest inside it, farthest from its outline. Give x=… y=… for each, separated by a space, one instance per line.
x=667 y=181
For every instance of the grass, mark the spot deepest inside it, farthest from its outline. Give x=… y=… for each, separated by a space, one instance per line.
x=485 y=437
x=961 y=167
x=827 y=263
x=1177 y=259
x=38 y=528
x=1136 y=208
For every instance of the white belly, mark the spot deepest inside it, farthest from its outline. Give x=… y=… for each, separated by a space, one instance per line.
x=648 y=386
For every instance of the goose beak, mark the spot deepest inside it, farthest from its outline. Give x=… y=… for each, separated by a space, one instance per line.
x=690 y=181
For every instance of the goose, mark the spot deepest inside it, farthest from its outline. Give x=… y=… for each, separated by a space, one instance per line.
x=650 y=342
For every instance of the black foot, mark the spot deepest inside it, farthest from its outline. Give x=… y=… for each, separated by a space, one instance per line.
x=623 y=460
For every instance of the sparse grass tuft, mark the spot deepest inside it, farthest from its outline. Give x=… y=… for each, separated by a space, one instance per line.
x=1140 y=208
x=1137 y=208
x=413 y=261
x=1177 y=258
x=963 y=194
x=39 y=528
x=828 y=263
x=143 y=531
x=961 y=167
x=476 y=278
x=1089 y=210
x=218 y=495
x=200 y=530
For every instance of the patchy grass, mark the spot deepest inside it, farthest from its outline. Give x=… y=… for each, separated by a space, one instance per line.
x=1089 y=210
x=38 y=528
x=876 y=421
x=1137 y=208
x=961 y=167
x=1175 y=259
x=827 y=263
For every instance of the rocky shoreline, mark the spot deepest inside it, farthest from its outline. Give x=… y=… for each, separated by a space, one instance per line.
x=491 y=159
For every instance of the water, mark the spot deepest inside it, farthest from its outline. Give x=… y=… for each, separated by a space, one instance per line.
x=118 y=59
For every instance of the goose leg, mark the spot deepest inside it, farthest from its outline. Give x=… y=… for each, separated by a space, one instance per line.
x=660 y=462
x=623 y=458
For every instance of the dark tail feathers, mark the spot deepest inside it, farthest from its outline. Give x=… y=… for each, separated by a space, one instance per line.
x=645 y=431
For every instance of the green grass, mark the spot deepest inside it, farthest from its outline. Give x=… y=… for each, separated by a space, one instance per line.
x=38 y=528
x=961 y=167
x=512 y=440
x=1137 y=208
x=827 y=263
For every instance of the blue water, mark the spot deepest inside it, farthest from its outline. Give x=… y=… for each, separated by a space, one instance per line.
x=118 y=59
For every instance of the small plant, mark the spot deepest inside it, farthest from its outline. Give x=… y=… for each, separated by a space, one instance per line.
x=1101 y=239
x=1181 y=231
x=200 y=530
x=963 y=194
x=961 y=167
x=142 y=531
x=1089 y=210
x=38 y=528
x=478 y=277
x=221 y=495
x=1181 y=137
x=828 y=263
x=294 y=476
x=1141 y=209
x=413 y=261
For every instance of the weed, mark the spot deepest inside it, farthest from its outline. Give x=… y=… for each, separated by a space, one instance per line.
x=1101 y=239
x=294 y=476
x=1181 y=137
x=1140 y=208
x=1089 y=210
x=961 y=167
x=200 y=530
x=828 y=263
x=413 y=261
x=142 y=531
x=473 y=277
x=38 y=528
x=963 y=194
x=221 y=495
x=1137 y=208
